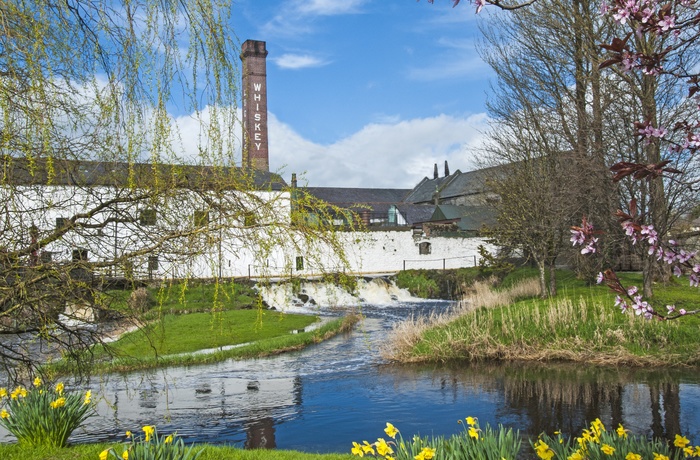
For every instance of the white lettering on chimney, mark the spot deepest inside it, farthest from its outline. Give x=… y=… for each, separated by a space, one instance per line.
x=257 y=127
x=257 y=86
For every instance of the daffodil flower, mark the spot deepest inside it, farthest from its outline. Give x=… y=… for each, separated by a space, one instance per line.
x=4 y=414
x=104 y=454
x=607 y=449
x=383 y=448
x=37 y=382
x=390 y=430
x=633 y=456
x=680 y=441
x=357 y=450
x=88 y=397
x=621 y=431
x=59 y=388
x=471 y=421
x=148 y=430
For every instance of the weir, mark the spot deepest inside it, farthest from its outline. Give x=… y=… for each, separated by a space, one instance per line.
x=312 y=295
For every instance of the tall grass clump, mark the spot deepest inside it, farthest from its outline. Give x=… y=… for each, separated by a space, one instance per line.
x=42 y=416
x=152 y=446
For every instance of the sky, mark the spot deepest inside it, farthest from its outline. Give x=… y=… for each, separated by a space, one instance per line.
x=369 y=93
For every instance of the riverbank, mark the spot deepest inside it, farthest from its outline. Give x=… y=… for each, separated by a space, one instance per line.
x=580 y=324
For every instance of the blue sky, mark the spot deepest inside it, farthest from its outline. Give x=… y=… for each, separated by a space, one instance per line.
x=369 y=93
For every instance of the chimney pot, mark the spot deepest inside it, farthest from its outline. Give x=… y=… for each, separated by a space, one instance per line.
x=435 y=172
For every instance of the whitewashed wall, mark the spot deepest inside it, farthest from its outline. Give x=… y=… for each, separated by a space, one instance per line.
x=234 y=251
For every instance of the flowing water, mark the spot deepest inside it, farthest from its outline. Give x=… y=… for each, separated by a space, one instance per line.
x=328 y=395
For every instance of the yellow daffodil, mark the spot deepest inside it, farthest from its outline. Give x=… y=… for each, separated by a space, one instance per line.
x=3 y=393
x=128 y=433
x=543 y=451
x=37 y=382
x=383 y=448
x=597 y=426
x=59 y=388
x=4 y=414
x=168 y=439
x=473 y=433
x=357 y=450
x=680 y=441
x=148 y=430
x=633 y=456
x=88 y=397
x=367 y=448
x=660 y=457
x=621 y=431
x=471 y=421
x=104 y=454
x=576 y=456
x=60 y=402
x=125 y=455
x=427 y=453
x=390 y=430
x=607 y=449
x=689 y=451
x=23 y=392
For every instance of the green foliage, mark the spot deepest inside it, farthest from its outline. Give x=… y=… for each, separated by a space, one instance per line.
x=438 y=284
x=152 y=446
x=40 y=416
x=417 y=283
x=491 y=265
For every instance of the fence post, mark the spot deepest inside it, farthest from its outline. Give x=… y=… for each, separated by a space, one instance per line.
x=248 y=271
x=475 y=261
x=404 y=265
x=443 y=264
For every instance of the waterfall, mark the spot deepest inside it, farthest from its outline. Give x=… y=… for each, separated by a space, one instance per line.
x=312 y=295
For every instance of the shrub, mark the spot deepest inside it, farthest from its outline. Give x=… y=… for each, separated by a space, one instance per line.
x=40 y=416
x=140 y=300
x=151 y=446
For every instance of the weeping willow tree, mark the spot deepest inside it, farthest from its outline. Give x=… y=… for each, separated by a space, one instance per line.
x=100 y=183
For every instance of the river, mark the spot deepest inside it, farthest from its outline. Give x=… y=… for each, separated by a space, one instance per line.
x=328 y=395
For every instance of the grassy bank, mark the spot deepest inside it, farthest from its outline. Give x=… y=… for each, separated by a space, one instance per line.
x=177 y=322
x=92 y=452
x=259 y=347
x=580 y=324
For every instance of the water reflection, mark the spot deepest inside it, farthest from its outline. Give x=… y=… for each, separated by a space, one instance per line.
x=538 y=398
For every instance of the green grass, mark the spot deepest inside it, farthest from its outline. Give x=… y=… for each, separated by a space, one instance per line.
x=187 y=297
x=580 y=324
x=255 y=349
x=92 y=452
x=175 y=334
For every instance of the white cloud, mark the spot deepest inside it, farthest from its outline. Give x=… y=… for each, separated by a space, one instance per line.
x=295 y=17
x=382 y=155
x=298 y=61
x=395 y=154
x=327 y=7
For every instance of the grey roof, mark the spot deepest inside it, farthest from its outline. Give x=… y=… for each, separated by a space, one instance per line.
x=23 y=171
x=376 y=199
x=466 y=217
x=425 y=191
x=416 y=213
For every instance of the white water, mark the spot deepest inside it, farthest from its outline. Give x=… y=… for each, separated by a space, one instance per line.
x=319 y=295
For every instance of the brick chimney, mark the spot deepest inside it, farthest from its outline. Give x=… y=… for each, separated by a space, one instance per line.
x=255 y=146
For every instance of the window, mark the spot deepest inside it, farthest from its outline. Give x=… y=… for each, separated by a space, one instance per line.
x=201 y=218
x=300 y=263
x=152 y=263
x=61 y=222
x=147 y=217
x=424 y=248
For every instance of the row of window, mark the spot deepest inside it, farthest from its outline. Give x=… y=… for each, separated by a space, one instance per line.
x=148 y=217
